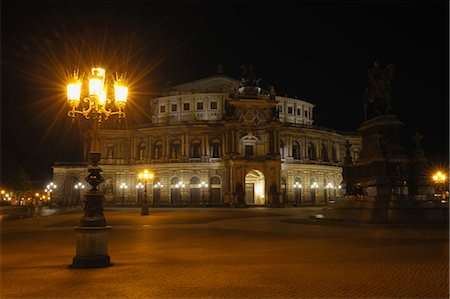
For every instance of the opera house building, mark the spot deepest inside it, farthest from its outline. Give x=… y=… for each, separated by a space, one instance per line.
x=218 y=142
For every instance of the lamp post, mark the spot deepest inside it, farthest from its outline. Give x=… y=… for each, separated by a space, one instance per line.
x=158 y=186
x=298 y=194
x=123 y=186
x=339 y=187
x=180 y=185
x=328 y=187
x=439 y=179
x=78 y=187
x=314 y=186
x=139 y=186
x=92 y=234
x=203 y=186
x=145 y=176
x=49 y=190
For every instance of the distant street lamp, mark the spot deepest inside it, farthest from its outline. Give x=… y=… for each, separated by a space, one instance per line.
x=92 y=242
x=180 y=185
x=139 y=187
x=439 y=179
x=123 y=186
x=203 y=186
x=328 y=188
x=158 y=186
x=314 y=186
x=49 y=190
x=145 y=176
x=298 y=193
x=78 y=187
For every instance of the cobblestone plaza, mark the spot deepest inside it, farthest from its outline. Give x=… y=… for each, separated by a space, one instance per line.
x=226 y=253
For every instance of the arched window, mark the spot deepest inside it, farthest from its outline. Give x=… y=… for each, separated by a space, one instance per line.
x=175 y=149
x=216 y=148
x=282 y=149
x=296 y=154
x=324 y=153
x=141 y=151
x=195 y=149
x=194 y=181
x=333 y=154
x=157 y=150
x=312 y=152
x=174 y=181
x=215 y=180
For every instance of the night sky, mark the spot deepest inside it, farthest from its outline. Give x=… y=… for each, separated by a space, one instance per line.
x=319 y=52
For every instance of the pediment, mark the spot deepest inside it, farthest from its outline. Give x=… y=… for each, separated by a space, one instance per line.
x=249 y=138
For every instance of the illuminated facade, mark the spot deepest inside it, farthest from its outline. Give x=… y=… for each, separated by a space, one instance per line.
x=248 y=146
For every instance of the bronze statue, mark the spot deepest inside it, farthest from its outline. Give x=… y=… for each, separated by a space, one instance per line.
x=248 y=75
x=377 y=96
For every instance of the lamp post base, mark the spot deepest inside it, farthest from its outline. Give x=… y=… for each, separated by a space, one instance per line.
x=92 y=247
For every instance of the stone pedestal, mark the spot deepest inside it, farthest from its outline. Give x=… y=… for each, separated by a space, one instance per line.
x=92 y=247
x=384 y=184
x=397 y=209
x=382 y=168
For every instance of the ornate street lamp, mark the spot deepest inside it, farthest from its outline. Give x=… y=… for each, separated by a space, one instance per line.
x=298 y=193
x=92 y=242
x=203 y=186
x=145 y=176
x=123 y=186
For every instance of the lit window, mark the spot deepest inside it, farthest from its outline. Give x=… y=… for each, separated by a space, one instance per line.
x=162 y=109
x=186 y=106
x=174 y=107
x=200 y=106
x=213 y=105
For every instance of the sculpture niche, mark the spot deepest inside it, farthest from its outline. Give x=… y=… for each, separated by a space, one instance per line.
x=377 y=97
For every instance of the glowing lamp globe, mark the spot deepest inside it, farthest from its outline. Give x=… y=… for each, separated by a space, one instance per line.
x=73 y=93
x=102 y=98
x=96 y=82
x=121 y=95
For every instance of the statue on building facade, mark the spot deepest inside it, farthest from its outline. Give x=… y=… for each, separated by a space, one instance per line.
x=377 y=97
x=248 y=75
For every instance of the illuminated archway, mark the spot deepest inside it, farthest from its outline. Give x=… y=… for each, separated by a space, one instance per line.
x=255 y=188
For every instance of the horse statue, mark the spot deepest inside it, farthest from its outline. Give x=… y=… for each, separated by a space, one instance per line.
x=377 y=97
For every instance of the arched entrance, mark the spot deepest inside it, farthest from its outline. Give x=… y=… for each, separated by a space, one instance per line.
x=255 y=188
